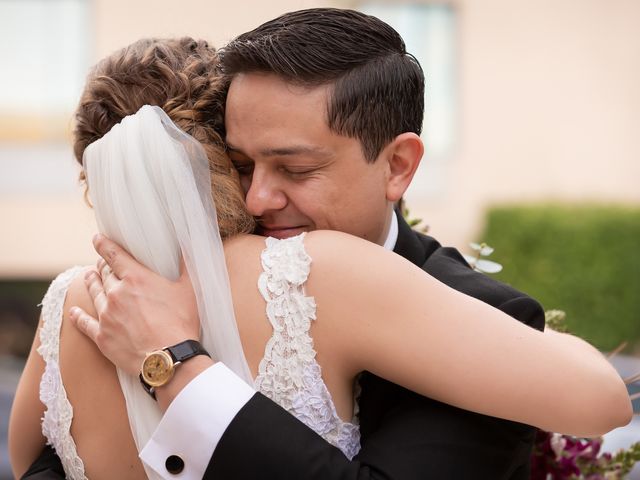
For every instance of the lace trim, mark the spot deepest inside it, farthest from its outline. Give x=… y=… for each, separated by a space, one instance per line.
x=289 y=373
x=56 y=422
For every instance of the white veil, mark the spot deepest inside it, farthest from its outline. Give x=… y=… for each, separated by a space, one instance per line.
x=150 y=187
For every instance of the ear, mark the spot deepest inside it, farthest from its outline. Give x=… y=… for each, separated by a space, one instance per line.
x=403 y=154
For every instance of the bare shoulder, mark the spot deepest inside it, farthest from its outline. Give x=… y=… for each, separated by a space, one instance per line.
x=242 y=249
x=78 y=295
x=324 y=242
x=242 y=256
x=78 y=354
x=352 y=256
x=74 y=345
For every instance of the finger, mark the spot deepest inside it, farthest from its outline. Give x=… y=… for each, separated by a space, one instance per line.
x=85 y=323
x=93 y=283
x=106 y=272
x=115 y=256
x=107 y=276
x=109 y=281
x=100 y=264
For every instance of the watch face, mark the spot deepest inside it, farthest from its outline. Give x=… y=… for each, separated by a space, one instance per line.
x=157 y=368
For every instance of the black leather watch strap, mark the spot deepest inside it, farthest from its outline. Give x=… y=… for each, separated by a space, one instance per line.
x=148 y=388
x=183 y=351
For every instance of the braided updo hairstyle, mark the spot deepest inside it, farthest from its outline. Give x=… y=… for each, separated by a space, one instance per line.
x=180 y=76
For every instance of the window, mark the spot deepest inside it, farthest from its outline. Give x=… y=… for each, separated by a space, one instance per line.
x=44 y=50
x=45 y=47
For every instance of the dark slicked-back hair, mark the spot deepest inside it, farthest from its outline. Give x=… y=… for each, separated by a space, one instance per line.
x=377 y=88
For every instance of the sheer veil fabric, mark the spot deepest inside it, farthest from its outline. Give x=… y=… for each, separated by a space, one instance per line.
x=150 y=187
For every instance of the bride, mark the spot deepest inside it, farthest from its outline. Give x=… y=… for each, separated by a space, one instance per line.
x=152 y=178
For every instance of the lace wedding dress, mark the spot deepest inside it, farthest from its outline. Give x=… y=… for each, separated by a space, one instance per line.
x=288 y=374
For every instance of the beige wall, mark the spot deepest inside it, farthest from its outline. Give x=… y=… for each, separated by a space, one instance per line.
x=44 y=237
x=215 y=21
x=549 y=108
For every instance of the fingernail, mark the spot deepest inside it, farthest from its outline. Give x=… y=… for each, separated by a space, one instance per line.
x=89 y=274
x=74 y=311
x=96 y=237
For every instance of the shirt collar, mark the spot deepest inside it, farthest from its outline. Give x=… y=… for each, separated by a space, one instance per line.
x=392 y=236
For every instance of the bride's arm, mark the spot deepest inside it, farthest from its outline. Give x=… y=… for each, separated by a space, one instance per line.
x=386 y=316
x=25 y=434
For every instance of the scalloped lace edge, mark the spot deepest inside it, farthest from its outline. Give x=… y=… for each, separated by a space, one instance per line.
x=58 y=415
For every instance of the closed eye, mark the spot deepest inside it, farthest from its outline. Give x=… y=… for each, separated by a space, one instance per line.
x=297 y=172
x=243 y=168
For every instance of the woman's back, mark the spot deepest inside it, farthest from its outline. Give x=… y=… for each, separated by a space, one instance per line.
x=100 y=427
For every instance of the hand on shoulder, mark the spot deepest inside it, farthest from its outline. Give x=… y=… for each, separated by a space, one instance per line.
x=134 y=310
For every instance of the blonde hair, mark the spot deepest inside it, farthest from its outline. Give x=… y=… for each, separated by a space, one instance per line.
x=180 y=76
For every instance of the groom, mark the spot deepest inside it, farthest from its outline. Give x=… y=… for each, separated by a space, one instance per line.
x=323 y=116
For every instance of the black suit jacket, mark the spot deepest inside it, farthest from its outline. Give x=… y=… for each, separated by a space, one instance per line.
x=404 y=435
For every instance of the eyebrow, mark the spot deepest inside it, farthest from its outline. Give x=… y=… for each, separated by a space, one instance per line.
x=313 y=150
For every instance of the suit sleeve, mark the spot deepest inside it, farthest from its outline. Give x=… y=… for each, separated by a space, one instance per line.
x=265 y=441
x=415 y=441
x=46 y=467
x=409 y=437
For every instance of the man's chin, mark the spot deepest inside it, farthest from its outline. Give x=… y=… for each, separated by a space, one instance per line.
x=280 y=232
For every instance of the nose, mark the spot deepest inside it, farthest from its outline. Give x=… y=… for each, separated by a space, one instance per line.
x=264 y=194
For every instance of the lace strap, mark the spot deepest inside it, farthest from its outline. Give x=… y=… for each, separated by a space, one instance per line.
x=284 y=262
x=56 y=422
x=286 y=267
x=289 y=373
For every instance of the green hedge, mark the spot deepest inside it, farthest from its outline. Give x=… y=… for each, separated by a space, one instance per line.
x=584 y=260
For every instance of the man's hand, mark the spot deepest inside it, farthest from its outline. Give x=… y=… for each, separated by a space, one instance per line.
x=138 y=310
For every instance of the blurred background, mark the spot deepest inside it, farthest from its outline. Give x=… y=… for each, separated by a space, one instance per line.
x=532 y=131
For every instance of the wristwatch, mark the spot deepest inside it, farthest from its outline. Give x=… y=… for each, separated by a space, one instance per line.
x=158 y=366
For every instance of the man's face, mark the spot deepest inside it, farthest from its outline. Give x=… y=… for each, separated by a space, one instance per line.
x=298 y=175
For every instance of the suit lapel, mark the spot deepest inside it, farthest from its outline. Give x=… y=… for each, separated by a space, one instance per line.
x=409 y=245
x=417 y=247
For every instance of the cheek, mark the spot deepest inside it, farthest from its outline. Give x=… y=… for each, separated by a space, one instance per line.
x=312 y=202
x=365 y=204
x=318 y=201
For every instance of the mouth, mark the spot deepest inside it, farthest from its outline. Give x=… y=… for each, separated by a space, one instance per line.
x=279 y=231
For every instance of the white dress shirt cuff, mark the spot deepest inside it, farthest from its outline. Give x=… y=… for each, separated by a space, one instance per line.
x=195 y=421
